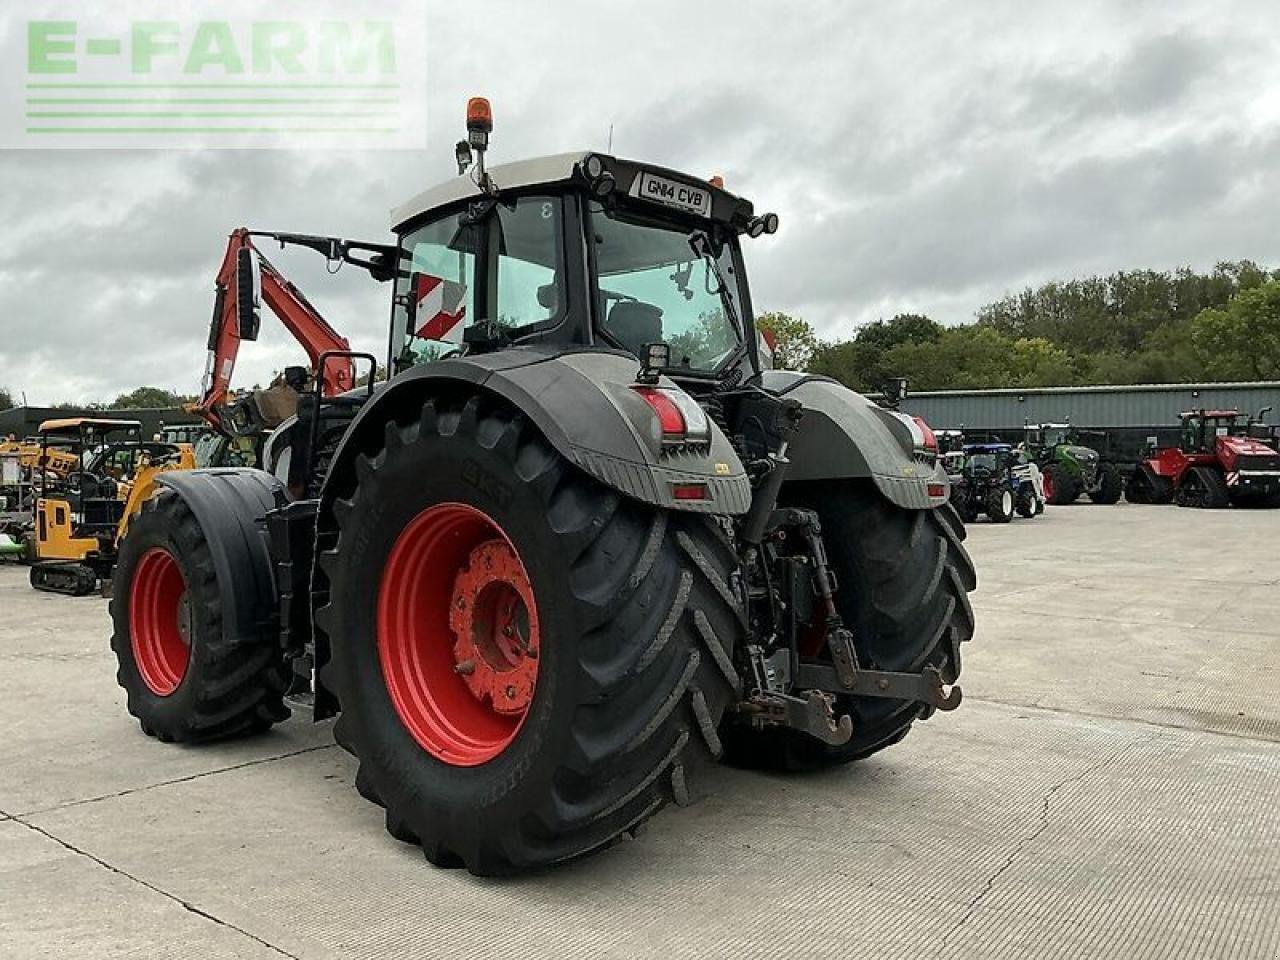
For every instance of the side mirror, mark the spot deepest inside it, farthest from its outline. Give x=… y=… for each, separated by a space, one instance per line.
x=247 y=287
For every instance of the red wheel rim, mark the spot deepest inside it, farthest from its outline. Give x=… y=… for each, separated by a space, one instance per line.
x=1047 y=481
x=458 y=635
x=159 y=621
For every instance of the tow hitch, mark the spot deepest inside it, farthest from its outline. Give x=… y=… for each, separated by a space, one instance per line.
x=847 y=677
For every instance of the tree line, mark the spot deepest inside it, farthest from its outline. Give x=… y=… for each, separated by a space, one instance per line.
x=1138 y=326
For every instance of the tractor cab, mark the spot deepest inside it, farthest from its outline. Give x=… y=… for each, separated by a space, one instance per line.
x=582 y=249
x=988 y=458
x=1042 y=436
x=1202 y=428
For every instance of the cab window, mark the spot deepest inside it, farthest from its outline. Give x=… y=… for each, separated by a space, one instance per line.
x=440 y=258
x=529 y=271
x=1191 y=433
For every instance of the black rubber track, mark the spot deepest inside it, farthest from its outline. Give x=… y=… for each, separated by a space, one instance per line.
x=904 y=579
x=1146 y=486
x=231 y=687
x=1203 y=487
x=639 y=617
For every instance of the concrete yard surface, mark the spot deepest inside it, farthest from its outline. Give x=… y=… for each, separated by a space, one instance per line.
x=1109 y=788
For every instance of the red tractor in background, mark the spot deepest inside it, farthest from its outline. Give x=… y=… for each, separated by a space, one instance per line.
x=1218 y=462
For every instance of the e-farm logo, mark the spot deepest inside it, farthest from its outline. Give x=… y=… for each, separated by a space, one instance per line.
x=210 y=73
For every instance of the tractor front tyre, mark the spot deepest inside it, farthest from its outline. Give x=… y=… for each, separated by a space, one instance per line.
x=963 y=504
x=1060 y=487
x=1110 y=485
x=1027 y=503
x=184 y=679
x=1000 y=506
x=529 y=664
x=904 y=579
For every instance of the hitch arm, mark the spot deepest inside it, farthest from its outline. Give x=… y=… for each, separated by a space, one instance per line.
x=925 y=687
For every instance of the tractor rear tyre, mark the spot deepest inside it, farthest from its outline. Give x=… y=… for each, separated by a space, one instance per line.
x=904 y=580
x=184 y=679
x=529 y=664
x=1000 y=506
x=1205 y=488
x=1110 y=485
x=1060 y=487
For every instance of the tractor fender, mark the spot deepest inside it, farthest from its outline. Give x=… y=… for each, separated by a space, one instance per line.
x=844 y=435
x=583 y=403
x=230 y=505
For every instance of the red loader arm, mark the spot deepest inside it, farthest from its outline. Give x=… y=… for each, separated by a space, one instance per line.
x=235 y=319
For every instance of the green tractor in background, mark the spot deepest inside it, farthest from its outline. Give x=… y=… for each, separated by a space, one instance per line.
x=1068 y=467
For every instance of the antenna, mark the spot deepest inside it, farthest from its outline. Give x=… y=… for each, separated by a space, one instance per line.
x=609 y=149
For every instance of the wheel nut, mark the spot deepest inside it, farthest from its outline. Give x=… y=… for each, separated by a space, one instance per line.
x=511 y=693
x=465 y=667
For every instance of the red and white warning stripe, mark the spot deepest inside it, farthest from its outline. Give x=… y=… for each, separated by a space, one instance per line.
x=441 y=308
x=767 y=343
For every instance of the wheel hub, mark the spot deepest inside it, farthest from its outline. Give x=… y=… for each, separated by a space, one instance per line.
x=457 y=634
x=160 y=621
x=495 y=648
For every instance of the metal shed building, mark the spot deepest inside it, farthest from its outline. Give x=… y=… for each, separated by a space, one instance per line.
x=1128 y=415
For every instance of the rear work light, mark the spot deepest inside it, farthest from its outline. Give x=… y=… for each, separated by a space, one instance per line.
x=681 y=419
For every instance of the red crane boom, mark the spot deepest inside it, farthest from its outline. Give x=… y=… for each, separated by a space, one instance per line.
x=235 y=320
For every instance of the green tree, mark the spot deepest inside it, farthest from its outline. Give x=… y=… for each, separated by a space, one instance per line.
x=6 y=399
x=900 y=329
x=857 y=365
x=1242 y=340
x=794 y=340
x=864 y=362
x=146 y=398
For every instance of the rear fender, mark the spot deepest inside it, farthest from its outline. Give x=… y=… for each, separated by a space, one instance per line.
x=582 y=403
x=845 y=435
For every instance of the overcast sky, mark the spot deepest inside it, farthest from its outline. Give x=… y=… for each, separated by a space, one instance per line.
x=923 y=157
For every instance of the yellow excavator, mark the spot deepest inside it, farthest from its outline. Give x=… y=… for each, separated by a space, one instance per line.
x=82 y=512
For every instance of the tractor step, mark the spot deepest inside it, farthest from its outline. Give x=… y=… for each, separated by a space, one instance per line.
x=68 y=579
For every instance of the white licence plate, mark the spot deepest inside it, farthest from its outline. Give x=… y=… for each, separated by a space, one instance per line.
x=672 y=193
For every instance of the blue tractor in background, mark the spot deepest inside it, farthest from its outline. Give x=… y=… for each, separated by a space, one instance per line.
x=995 y=479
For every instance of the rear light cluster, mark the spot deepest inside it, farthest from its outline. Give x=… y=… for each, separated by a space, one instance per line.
x=682 y=420
x=690 y=491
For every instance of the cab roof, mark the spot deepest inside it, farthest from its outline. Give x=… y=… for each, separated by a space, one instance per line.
x=507 y=176
x=72 y=425
x=541 y=171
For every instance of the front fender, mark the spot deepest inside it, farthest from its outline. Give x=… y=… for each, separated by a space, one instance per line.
x=843 y=434
x=582 y=402
x=230 y=505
